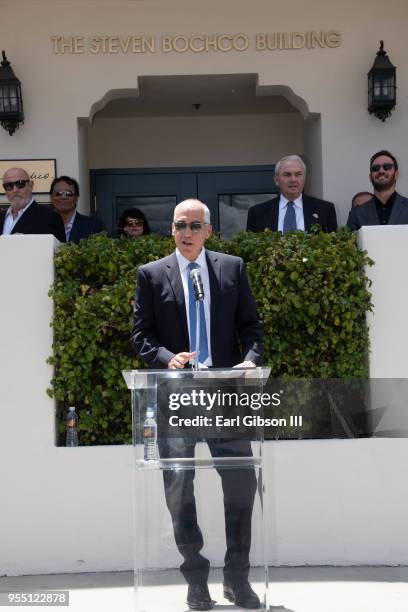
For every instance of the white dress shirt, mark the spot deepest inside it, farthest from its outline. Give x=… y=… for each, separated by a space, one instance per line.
x=201 y=261
x=10 y=221
x=68 y=226
x=283 y=207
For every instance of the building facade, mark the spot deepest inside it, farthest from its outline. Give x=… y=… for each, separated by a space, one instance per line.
x=150 y=101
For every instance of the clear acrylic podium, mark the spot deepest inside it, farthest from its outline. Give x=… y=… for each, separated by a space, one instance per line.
x=159 y=583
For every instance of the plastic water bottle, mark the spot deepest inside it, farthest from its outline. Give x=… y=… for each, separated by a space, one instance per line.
x=72 y=427
x=150 y=436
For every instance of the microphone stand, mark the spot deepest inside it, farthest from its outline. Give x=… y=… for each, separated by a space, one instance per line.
x=196 y=365
x=199 y=297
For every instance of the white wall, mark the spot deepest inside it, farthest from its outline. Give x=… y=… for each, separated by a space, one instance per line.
x=334 y=502
x=388 y=329
x=313 y=156
x=59 y=509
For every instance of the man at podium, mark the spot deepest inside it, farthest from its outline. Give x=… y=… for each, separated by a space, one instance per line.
x=230 y=335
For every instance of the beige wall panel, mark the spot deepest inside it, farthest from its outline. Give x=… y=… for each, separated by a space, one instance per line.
x=194 y=141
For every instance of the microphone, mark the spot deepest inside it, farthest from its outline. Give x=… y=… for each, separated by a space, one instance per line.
x=197 y=281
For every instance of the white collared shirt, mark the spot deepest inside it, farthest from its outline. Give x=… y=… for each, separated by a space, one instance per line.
x=68 y=227
x=201 y=261
x=283 y=207
x=9 y=221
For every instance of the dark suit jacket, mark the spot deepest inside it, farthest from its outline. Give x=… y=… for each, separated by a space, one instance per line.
x=38 y=219
x=83 y=227
x=367 y=214
x=160 y=325
x=315 y=212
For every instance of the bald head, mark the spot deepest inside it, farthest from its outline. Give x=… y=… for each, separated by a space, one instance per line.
x=192 y=205
x=360 y=198
x=14 y=172
x=18 y=187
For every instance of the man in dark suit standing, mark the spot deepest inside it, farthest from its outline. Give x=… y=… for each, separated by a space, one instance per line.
x=292 y=209
x=24 y=215
x=386 y=207
x=163 y=337
x=64 y=192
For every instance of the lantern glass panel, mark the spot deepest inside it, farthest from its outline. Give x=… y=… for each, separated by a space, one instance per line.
x=377 y=88
x=13 y=99
x=386 y=90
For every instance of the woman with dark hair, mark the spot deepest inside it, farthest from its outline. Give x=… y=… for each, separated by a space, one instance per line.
x=133 y=223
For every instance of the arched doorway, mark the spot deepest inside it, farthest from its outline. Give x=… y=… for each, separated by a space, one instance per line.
x=215 y=137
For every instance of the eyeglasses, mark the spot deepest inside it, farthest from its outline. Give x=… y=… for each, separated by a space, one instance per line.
x=134 y=223
x=195 y=226
x=9 y=186
x=377 y=167
x=64 y=192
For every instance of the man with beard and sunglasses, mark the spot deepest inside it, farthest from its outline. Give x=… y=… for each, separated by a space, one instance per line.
x=24 y=215
x=386 y=207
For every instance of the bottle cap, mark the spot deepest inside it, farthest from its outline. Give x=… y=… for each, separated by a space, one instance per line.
x=149 y=413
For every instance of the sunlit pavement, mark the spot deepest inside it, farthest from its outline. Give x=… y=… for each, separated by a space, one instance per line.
x=299 y=589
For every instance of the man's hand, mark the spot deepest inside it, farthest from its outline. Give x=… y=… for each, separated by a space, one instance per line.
x=179 y=360
x=245 y=364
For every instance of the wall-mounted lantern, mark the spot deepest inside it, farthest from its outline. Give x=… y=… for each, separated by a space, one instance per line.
x=382 y=85
x=11 y=101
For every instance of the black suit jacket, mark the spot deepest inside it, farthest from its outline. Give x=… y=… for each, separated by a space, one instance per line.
x=160 y=324
x=315 y=212
x=367 y=214
x=38 y=219
x=83 y=227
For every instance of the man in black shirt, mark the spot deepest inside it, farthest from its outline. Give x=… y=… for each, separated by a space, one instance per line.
x=387 y=207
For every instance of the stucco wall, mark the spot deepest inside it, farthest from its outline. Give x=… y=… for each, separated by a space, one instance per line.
x=334 y=502
x=199 y=141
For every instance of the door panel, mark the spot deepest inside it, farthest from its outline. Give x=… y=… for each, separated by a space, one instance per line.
x=157 y=210
x=233 y=211
x=155 y=193
x=228 y=192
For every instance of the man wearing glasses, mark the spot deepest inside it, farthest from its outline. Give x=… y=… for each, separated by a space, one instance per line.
x=386 y=207
x=164 y=338
x=64 y=192
x=24 y=215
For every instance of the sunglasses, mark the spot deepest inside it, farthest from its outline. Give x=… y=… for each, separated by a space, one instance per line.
x=64 y=192
x=195 y=226
x=377 y=167
x=134 y=223
x=9 y=186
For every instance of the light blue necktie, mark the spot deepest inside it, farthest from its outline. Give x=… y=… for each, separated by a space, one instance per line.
x=192 y=315
x=289 y=222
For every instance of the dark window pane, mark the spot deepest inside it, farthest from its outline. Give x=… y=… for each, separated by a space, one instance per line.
x=158 y=210
x=233 y=210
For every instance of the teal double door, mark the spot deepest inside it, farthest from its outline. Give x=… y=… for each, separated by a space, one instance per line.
x=228 y=192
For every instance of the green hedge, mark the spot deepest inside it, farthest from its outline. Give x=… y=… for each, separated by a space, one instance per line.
x=311 y=290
